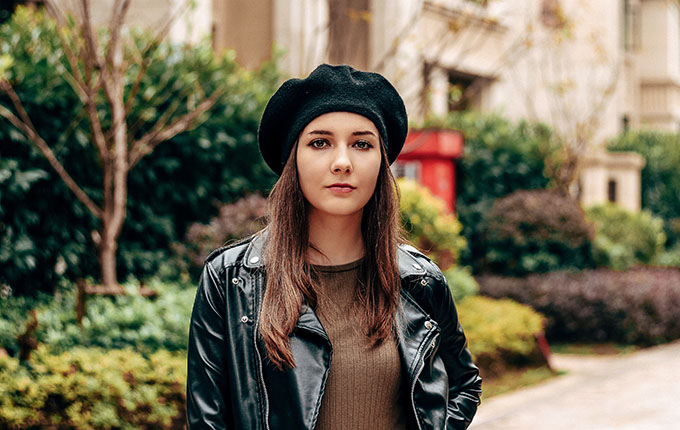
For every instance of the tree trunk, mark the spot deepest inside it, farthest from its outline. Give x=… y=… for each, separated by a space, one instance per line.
x=107 y=259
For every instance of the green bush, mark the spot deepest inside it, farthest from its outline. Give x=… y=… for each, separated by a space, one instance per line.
x=461 y=282
x=234 y=221
x=146 y=325
x=93 y=389
x=537 y=231
x=660 y=177
x=623 y=238
x=501 y=334
x=499 y=157
x=428 y=225
x=669 y=257
x=636 y=306
x=179 y=184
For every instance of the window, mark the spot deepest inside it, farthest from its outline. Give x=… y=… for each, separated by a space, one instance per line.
x=629 y=25
x=406 y=169
x=625 y=124
x=465 y=90
x=611 y=191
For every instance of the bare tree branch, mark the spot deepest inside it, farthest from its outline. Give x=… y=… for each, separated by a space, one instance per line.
x=147 y=143
x=24 y=124
x=120 y=9
x=147 y=55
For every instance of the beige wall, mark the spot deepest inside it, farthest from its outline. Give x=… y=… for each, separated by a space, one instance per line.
x=193 y=25
x=246 y=26
x=623 y=168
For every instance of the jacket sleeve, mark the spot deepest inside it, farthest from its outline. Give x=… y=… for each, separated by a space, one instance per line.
x=465 y=384
x=207 y=398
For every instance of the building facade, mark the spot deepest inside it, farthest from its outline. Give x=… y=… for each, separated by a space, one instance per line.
x=589 y=69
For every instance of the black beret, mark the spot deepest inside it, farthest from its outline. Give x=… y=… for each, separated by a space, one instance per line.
x=330 y=89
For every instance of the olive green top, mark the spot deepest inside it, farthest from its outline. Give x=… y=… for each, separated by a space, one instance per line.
x=364 y=387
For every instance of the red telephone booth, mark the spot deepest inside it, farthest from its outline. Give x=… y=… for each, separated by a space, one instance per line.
x=429 y=157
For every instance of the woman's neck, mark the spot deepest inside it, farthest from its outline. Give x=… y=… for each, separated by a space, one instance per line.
x=334 y=240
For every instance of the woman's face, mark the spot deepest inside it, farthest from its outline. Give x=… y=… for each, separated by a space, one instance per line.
x=338 y=161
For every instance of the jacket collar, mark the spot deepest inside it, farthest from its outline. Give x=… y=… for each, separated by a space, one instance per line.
x=408 y=265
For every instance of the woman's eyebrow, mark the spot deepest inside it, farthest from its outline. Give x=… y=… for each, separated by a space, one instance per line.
x=322 y=132
x=363 y=133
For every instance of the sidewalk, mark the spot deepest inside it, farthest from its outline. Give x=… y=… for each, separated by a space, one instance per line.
x=638 y=391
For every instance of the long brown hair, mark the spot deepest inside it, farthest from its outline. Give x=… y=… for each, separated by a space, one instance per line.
x=289 y=276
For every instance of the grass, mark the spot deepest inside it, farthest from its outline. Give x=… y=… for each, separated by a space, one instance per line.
x=593 y=348
x=515 y=379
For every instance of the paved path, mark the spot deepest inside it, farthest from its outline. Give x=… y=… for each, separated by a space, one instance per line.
x=637 y=391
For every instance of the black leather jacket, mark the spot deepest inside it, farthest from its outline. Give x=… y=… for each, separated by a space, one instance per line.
x=231 y=385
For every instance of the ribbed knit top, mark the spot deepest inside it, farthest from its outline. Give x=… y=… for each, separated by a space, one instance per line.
x=364 y=389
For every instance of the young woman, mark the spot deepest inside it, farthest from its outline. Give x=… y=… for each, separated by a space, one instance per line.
x=324 y=320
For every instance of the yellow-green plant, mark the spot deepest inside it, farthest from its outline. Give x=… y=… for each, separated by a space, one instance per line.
x=501 y=333
x=623 y=238
x=93 y=389
x=428 y=224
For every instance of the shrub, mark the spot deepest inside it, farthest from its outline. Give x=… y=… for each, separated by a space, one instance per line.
x=499 y=157
x=170 y=189
x=637 y=306
x=501 y=333
x=146 y=325
x=235 y=220
x=660 y=177
x=93 y=389
x=428 y=225
x=669 y=257
x=13 y=318
x=461 y=282
x=537 y=231
x=623 y=239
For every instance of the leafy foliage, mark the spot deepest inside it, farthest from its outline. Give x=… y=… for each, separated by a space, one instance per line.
x=41 y=221
x=117 y=322
x=235 y=220
x=637 y=306
x=499 y=157
x=623 y=239
x=93 y=389
x=461 y=282
x=537 y=231
x=660 y=177
x=428 y=225
x=501 y=333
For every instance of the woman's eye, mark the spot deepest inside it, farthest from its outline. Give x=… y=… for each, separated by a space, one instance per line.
x=318 y=143
x=363 y=144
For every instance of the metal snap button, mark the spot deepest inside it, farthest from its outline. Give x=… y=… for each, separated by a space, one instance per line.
x=423 y=282
x=244 y=319
x=428 y=325
x=234 y=281
x=254 y=260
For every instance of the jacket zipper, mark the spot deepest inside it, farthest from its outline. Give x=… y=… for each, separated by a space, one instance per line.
x=421 y=365
x=259 y=362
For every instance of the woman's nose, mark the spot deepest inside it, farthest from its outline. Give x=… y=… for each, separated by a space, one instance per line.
x=341 y=162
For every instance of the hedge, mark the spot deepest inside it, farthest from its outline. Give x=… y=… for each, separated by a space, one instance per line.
x=428 y=224
x=118 y=322
x=501 y=333
x=537 y=231
x=637 y=306
x=93 y=389
x=623 y=238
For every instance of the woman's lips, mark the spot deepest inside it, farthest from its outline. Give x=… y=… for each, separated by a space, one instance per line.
x=341 y=188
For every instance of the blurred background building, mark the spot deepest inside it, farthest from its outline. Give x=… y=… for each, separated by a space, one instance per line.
x=591 y=70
